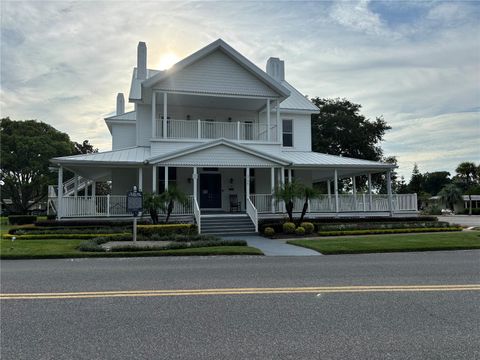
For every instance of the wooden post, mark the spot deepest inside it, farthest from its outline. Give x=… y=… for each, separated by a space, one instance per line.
x=238 y=130
x=354 y=192
x=154 y=179
x=60 y=193
x=199 y=129
x=166 y=178
x=247 y=183
x=370 y=198
x=75 y=185
x=389 y=192
x=272 y=183
x=195 y=181
x=140 y=179
x=335 y=188
x=329 y=192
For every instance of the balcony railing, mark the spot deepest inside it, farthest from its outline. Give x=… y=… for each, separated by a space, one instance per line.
x=203 y=129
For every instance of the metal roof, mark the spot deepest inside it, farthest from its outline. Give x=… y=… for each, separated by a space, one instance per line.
x=314 y=159
x=297 y=101
x=131 y=115
x=128 y=156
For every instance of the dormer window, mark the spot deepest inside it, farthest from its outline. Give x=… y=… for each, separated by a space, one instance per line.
x=288 y=133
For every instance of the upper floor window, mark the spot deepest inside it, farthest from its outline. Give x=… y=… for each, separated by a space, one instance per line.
x=288 y=133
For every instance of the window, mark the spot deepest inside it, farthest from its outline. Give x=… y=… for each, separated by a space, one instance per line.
x=288 y=133
x=172 y=178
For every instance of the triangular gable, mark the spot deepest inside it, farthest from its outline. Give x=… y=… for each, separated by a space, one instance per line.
x=219 y=69
x=220 y=153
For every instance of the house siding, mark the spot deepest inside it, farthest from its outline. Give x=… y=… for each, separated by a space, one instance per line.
x=123 y=136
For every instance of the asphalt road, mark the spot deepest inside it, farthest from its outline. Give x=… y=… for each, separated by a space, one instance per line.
x=463 y=220
x=408 y=324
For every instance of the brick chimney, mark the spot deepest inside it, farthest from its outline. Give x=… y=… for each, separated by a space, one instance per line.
x=141 y=61
x=276 y=68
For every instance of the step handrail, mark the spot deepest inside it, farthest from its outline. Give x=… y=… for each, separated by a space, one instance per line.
x=196 y=212
x=252 y=213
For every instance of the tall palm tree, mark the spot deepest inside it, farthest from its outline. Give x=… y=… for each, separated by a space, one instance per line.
x=467 y=174
x=287 y=193
x=308 y=193
x=170 y=196
x=451 y=195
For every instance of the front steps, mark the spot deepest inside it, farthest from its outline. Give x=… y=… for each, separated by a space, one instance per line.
x=227 y=224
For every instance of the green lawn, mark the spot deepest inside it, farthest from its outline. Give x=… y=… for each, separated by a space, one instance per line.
x=42 y=249
x=392 y=243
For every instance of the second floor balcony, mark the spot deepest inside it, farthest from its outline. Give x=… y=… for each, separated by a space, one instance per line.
x=209 y=129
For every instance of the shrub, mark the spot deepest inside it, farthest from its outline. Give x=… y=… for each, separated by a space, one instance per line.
x=288 y=228
x=269 y=232
x=381 y=225
x=89 y=222
x=474 y=211
x=167 y=229
x=308 y=226
x=432 y=210
x=51 y=217
x=300 y=230
x=386 y=231
x=21 y=219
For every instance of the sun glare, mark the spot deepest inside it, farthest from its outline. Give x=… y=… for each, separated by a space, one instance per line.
x=167 y=60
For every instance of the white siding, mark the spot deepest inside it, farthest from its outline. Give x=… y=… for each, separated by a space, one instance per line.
x=144 y=124
x=302 y=132
x=216 y=73
x=123 y=136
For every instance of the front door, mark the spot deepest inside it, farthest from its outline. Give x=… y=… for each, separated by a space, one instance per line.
x=210 y=191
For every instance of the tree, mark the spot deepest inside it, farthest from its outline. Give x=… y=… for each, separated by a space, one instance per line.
x=308 y=193
x=152 y=202
x=340 y=129
x=287 y=193
x=451 y=194
x=434 y=182
x=168 y=199
x=84 y=148
x=26 y=148
x=416 y=181
x=467 y=176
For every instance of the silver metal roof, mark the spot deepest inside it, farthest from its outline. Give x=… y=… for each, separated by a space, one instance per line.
x=314 y=159
x=128 y=156
x=297 y=101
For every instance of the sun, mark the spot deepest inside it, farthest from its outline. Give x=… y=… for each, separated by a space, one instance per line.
x=167 y=60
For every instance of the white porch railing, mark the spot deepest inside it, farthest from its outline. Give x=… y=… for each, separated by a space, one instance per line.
x=252 y=213
x=197 y=214
x=201 y=129
x=346 y=203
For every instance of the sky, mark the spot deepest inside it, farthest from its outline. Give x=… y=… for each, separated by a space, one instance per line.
x=416 y=63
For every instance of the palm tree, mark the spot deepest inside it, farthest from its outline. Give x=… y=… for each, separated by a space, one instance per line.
x=152 y=202
x=308 y=193
x=287 y=193
x=467 y=175
x=451 y=195
x=170 y=196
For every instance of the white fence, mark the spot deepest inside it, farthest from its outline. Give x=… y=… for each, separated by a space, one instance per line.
x=346 y=203
x=200 y=129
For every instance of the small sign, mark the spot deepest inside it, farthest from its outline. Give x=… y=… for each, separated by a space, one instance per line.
x=134 y=202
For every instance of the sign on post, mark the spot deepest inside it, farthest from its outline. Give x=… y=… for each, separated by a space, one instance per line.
x=134 y=205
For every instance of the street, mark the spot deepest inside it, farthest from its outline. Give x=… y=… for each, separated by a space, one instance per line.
x=376 y=306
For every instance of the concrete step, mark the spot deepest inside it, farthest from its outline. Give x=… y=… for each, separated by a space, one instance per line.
x=221 y=225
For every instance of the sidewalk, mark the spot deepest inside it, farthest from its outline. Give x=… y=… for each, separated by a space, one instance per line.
x=272 y=247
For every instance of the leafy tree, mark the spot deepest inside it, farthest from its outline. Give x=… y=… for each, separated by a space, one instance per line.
x=287 y=193
x=26 y=147
x=433 y=182
x=308 y=193
x=340 y=129
x=467 y=177
x=451 y=195
x=169 y=197
x=84 y=148
x=416 y=181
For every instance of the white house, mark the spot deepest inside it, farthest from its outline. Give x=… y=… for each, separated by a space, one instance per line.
x=223 y=131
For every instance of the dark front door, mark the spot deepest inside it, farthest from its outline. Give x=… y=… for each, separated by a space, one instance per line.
x=210 y=191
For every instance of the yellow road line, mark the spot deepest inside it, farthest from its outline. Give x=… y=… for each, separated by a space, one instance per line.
x=242 y=291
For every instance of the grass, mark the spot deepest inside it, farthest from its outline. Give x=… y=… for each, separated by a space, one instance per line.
x=392 y=243
x=49 y=249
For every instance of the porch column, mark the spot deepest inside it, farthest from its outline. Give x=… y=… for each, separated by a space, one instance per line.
x=93 y=200
x=154 y=114
x=290 y=176
x=389 y=192
x=195 y=181
x=282 y=181
x=154 y=179
x=247 y=183
x=164 y=115
x=268 y=119
x=279 y=126
x=354 y=191
x=166 y=178
x=272 y=183
x=60 y=193
x=75 y=185
x=335 y=188
x=140 y=179
x=369 y=192
x=94 y=186
x=329 y=193
x=85 y=189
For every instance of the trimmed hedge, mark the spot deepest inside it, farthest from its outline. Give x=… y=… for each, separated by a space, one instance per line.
x=90 y=222
x=384 y=225
x=288 y=228
x=308 y=226
x=68 y=230
x=474 y=211
x=21 y=219
x=269 y=232
x=386 y=231
x=167 y=229
x=59 y=236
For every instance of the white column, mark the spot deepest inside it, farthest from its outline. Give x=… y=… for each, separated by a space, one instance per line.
x=166 y=178
x=272 y=183
x=354 y=191
x=279 y=126
x=60 y=193
x=335 y=188
x=75 y=185
x=282 y=181
x=389 y=192
x=195 y=181
x=154 y=179
x=94 y=189
x=369 y=192
x=164 y=115
x=140 y=179
x=247 y=183
x=154 y=114
x=268 y=119
x=238 y=130
x=85 y=189
x=329 y=192
x=290 y=175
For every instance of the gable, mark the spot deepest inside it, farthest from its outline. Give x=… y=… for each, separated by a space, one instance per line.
x=216 y=73
x=219 y=156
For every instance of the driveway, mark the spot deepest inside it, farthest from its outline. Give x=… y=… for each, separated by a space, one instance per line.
x=272 y=247
x=463 y=220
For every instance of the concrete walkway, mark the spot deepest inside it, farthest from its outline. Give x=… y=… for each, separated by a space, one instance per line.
x=272 y=247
